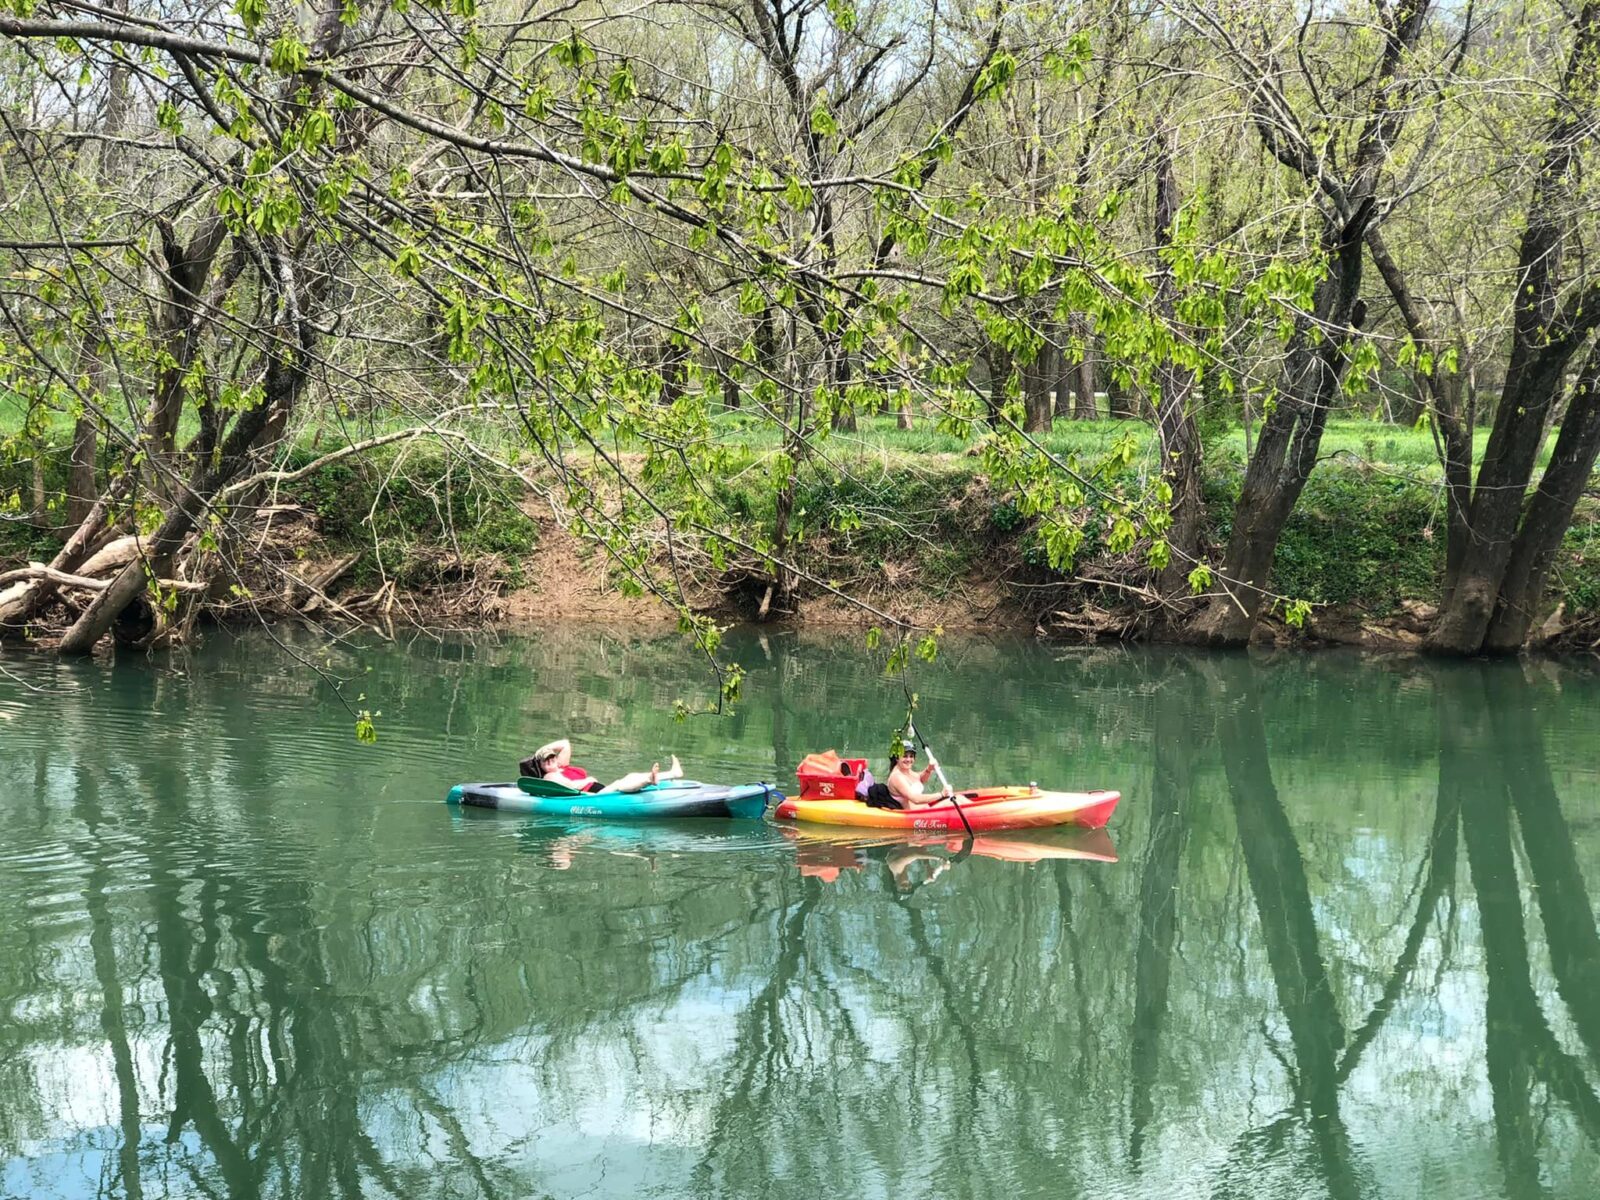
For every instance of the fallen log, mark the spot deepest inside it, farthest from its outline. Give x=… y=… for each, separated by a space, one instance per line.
x=1089 y=623
x=38 y=570
x=20 y=604
x=110 y=557
x=319 y=582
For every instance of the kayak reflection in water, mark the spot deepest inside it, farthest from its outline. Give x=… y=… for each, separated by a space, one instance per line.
x=553 y=762
x=905 y=781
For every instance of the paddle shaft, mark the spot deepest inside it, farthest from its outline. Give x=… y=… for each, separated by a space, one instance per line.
x=939 y=771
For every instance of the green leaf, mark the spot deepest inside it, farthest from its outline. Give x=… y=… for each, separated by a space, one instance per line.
x=994 y=78
x=1295 y=613
x=167 y=117
x=251 y=13
x=822 y=122
x=621 y=87
x=317 y=129
x=1122 y=536
x=573 y=53
x=288 y=55
x=408 y=262
x=796 y=194
x=1068 y=64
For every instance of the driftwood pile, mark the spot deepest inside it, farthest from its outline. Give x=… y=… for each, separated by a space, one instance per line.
x=274 y=571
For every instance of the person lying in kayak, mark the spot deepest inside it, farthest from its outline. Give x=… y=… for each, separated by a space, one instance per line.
x=905 y=781
x=553 y=762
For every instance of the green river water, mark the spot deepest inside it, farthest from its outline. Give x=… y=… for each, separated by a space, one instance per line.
x=1347 y=948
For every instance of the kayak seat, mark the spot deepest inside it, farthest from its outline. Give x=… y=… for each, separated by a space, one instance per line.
x=545 y=787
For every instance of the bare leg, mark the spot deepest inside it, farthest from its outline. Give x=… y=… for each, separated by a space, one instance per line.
x=642 y=779
x=631 y=783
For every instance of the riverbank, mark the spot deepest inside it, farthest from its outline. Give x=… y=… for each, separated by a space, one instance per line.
x=406 y=535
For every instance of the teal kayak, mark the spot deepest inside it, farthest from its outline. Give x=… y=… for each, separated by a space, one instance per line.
x=670 y=798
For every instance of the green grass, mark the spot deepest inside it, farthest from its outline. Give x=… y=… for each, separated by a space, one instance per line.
x=1350 y=439
x=1357 y=537
x=398 y=499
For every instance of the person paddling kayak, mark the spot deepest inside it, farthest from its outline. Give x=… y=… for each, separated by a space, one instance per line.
x=905 y=781
x=553 y=761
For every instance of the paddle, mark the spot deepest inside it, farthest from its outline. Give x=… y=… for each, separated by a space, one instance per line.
x=939 y=771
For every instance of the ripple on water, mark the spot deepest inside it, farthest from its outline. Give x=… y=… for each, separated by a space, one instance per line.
x=41 y=858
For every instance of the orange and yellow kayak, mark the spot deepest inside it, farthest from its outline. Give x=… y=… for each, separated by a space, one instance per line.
x=986 y=809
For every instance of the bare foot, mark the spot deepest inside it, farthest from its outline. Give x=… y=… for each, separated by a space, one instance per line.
x=677 y=769
x=655 y=774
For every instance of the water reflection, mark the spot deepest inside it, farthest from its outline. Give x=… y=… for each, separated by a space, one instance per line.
x=1350 y=949
x=824 y=853
x=1525 y=1062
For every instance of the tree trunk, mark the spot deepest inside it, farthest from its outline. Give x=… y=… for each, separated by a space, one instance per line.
x=183 y=316
x=1086 y=406
x=1448 y=407
x=286 y=376
x=1121 y=402
x=843 y=418
x=1175 y=424
x=673 y=358
x=1548 y=516
x=1036 y=378
x=1543 y=343
x=999 y=361
x=1067 y=371
x=781 y=599
x=1503 y=478
x=768 y=358
x=1286 y=451
x=39 y=501
x=81 y=487
x=1455 y=445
